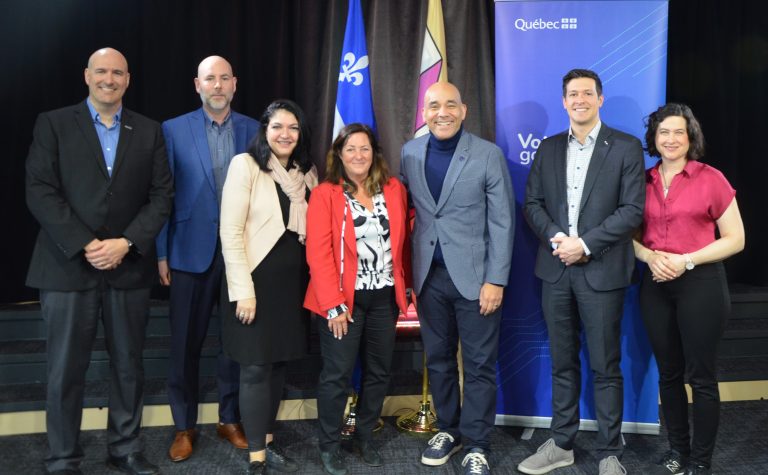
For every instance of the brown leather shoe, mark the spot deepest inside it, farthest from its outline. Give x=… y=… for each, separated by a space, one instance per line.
x=181 y=448
x=233 y=433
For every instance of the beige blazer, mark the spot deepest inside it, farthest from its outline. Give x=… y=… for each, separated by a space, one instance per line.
x=248 y=232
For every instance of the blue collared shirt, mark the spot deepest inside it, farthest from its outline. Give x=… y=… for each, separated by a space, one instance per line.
x=108 y=136
x=221 y=144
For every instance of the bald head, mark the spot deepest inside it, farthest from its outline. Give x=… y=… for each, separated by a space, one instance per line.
x=442 y=88
x=107 y=78
x=216 y=85
x=213 y=62
x=443 y=110
x=107 y=53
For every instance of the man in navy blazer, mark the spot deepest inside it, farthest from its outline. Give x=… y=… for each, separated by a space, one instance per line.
x=99 y=185
x=459 y=185
x=584 y=199
x=200 y=145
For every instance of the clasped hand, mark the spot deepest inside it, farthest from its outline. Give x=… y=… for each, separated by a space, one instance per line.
x=106 y=254
x=665 y=266
x=568 y=249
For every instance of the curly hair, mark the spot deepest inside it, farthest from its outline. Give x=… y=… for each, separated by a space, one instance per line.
x=693 y=128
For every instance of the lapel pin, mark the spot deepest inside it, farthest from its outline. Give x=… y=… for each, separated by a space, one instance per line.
x=131 y=128
x=605 y=142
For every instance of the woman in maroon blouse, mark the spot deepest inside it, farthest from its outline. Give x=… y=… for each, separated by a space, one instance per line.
x=684 y=294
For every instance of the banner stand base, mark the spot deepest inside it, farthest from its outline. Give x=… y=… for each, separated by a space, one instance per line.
x=534 y=422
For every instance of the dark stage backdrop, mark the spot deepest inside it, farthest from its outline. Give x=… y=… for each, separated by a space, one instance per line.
x=718 y=63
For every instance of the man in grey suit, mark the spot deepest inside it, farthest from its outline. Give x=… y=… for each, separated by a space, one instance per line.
x=459 y=185
x=584 y=199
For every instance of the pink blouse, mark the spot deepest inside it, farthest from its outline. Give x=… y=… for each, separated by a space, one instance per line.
x=684 y=221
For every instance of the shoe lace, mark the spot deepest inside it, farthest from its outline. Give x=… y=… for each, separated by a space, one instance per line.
x=476 y=462
x=671 y=461
x=439 y=440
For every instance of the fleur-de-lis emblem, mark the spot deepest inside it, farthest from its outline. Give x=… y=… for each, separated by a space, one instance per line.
x=348 y=69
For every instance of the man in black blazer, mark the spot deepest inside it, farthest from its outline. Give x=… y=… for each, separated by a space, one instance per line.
x=99 y=185
x=584 y=199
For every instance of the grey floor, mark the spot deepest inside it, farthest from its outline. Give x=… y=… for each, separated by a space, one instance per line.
x=742 y=448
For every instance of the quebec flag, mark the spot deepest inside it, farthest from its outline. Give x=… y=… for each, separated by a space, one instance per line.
x=353 y=96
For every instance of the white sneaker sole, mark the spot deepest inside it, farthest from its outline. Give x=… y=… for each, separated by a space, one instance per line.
x=437 y=462
x=543 y=470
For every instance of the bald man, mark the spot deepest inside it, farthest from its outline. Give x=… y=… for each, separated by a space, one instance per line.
x=200 y=146
x=459 y=185
x=99 y=185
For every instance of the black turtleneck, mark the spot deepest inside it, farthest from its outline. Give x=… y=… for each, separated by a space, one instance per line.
x=438 y=159
x=439 y=154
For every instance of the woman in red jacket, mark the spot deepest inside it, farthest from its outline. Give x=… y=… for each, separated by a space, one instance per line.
x=356 y=250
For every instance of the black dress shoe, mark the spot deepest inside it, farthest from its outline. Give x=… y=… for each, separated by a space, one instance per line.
x=368 y=453
x=257 y=468
x=135 y=464
x=277 y=460
x=333 y=463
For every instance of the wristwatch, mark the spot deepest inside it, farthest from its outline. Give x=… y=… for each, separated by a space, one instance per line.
x=689 y=265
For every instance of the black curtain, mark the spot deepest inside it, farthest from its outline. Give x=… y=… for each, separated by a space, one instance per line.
x=717 y=63
x=285 y=48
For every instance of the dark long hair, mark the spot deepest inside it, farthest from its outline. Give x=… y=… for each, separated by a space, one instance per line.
x=692 y=127
x=334 y=168
x=259 y=148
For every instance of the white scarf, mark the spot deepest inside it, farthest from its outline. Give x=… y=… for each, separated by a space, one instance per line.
x=294 y=184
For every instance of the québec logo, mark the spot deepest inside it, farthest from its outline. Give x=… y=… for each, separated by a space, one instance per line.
x=540 y=24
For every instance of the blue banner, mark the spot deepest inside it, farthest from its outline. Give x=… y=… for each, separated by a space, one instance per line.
x=353 y=96
x=537 y=42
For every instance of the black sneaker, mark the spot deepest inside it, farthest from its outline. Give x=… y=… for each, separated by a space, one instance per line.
x=278 y=461
x=333 y=463
x=697 y=469
x=256 y=468
x=672 y=463
x=368 y=453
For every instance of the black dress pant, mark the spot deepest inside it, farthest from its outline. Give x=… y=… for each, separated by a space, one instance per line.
x=569 y=305
x=372 y=335
x=685 y=319
x=72 y=320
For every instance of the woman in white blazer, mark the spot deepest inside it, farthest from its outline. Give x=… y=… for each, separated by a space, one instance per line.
x=263 y=229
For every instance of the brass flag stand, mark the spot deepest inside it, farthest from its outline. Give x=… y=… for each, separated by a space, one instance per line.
x=422 y=421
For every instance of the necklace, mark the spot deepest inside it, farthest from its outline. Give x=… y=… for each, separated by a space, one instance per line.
x=664 y=181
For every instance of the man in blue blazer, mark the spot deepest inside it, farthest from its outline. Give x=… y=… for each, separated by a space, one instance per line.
x=584 y=199
x=200 y=145
x=459 y=185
